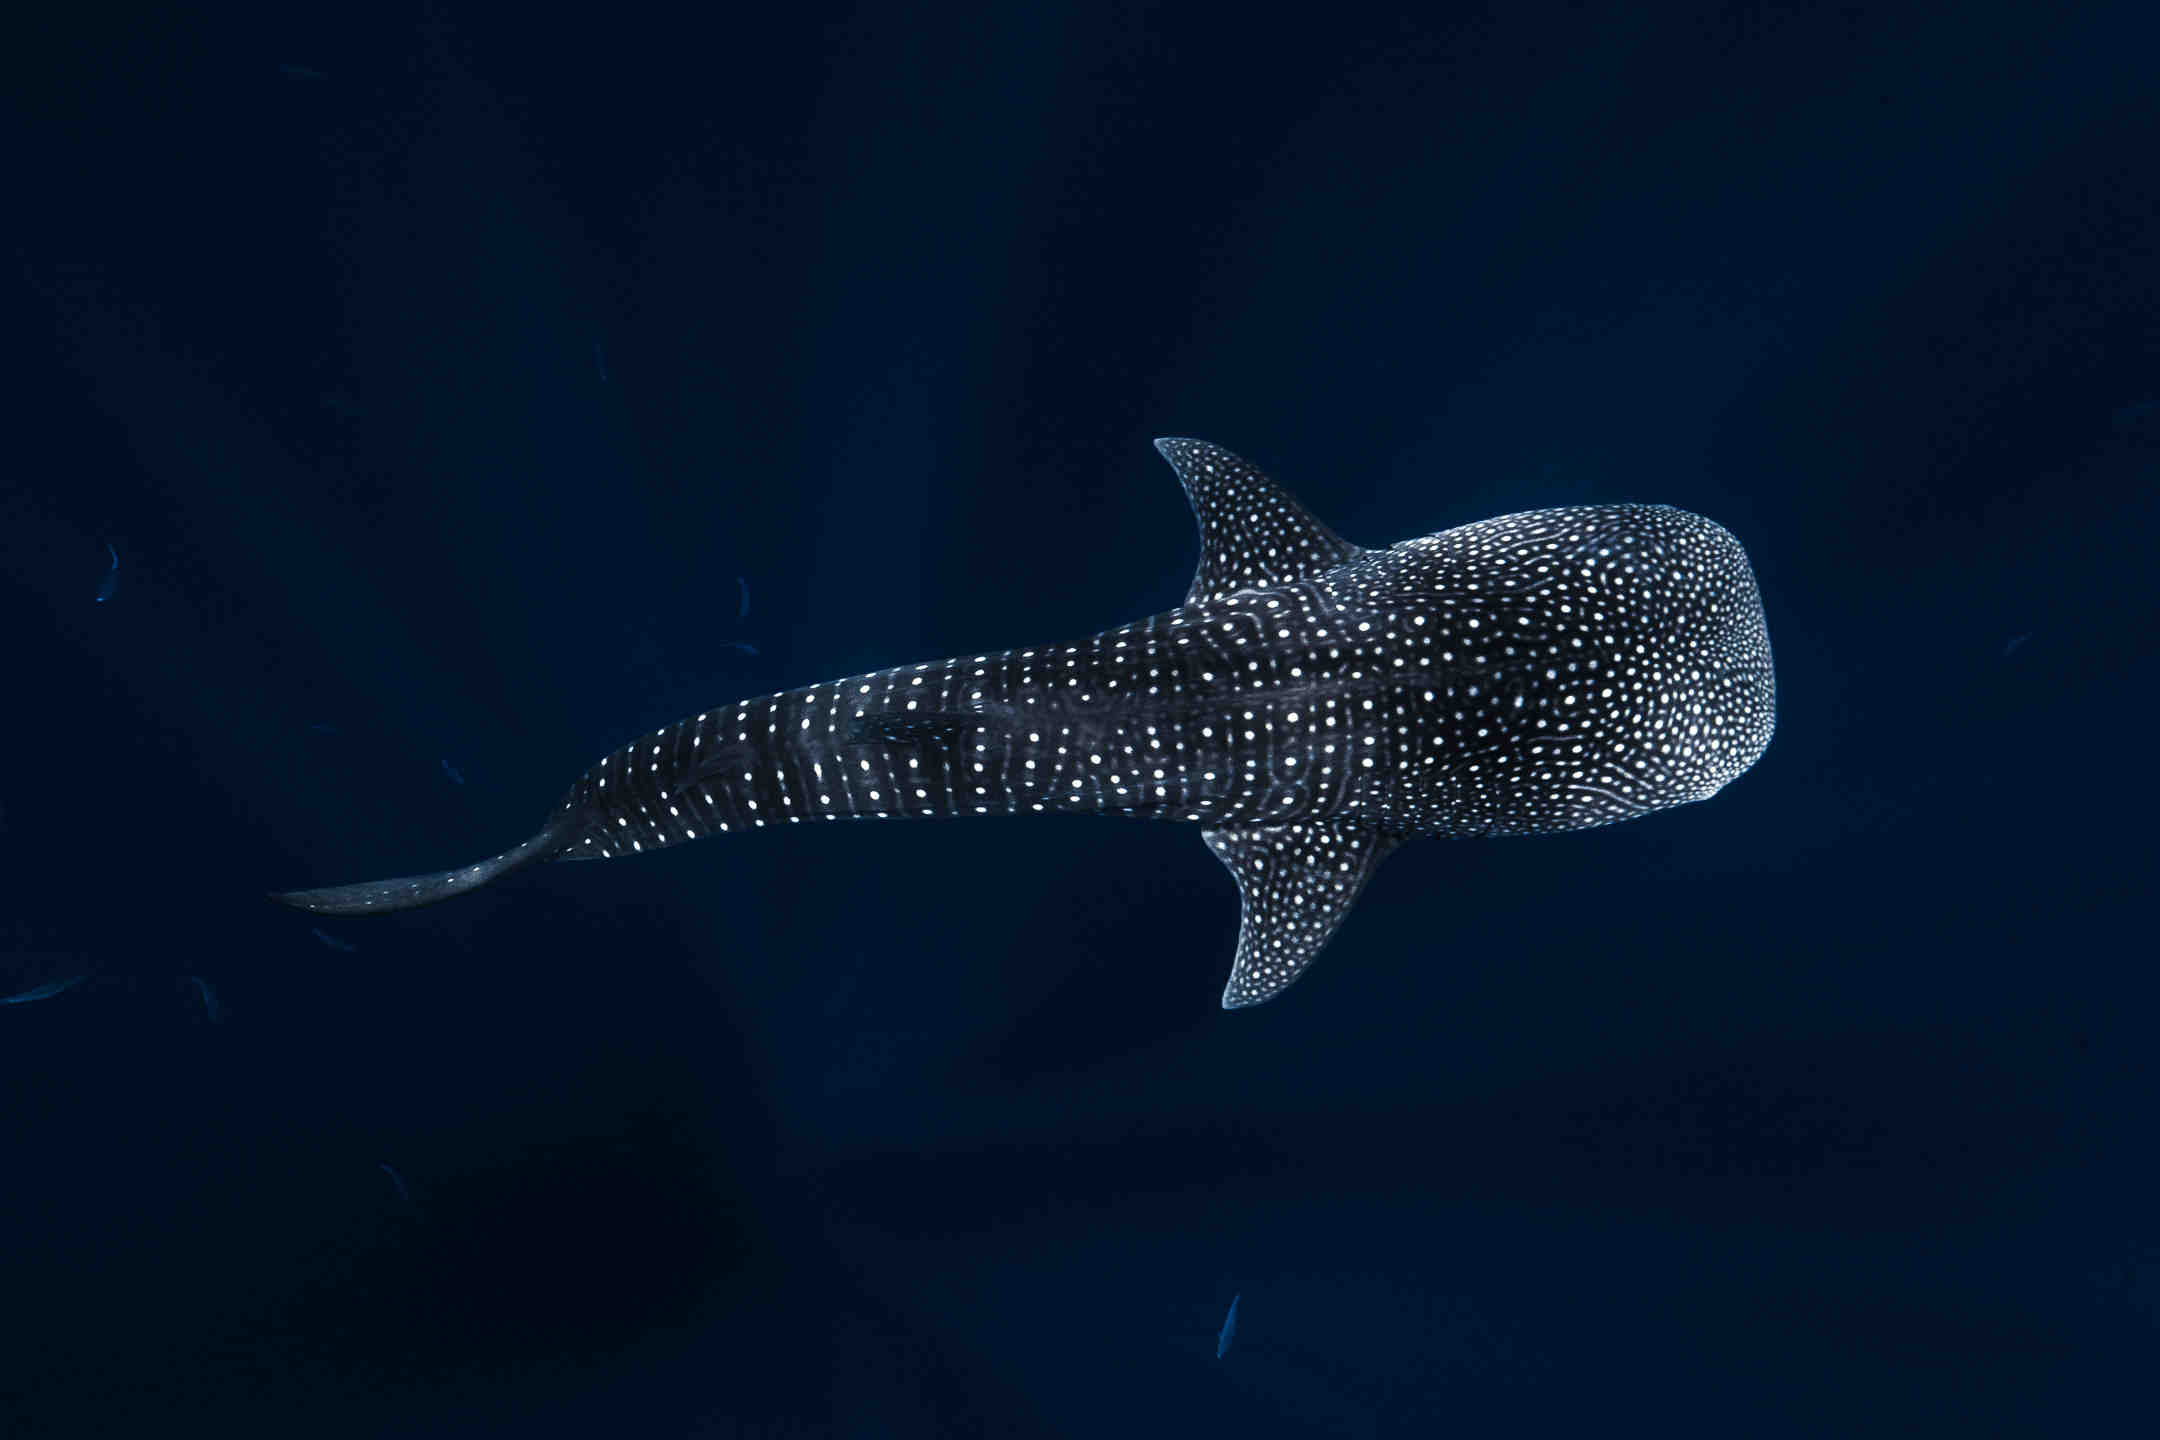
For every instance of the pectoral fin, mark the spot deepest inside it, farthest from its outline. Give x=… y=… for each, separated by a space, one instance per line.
x=1298 y=881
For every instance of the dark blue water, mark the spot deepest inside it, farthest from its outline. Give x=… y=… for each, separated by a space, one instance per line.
x=442 y=381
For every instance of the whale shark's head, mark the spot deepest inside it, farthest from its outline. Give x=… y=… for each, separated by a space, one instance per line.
x=1734 y=704
x=1597 y=662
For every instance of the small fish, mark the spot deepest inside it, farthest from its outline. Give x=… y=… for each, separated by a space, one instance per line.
x=211 y=1007
x=744 y=612
x=744 y=647
x=600 y=361
x=334 y=943
x=397 y=1180
x=321 y=729
x=451 y=771
x=40 y=992
x=1229 y=1329
x=940 y=728
x=301 y=72
x=111 y=582
x=2010 y=646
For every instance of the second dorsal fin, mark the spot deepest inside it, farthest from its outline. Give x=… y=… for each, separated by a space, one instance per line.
x=1253 y=533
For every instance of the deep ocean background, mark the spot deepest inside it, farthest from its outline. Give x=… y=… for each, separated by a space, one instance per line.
x=435 y=373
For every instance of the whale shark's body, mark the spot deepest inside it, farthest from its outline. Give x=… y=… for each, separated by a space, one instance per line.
x=1312 y=704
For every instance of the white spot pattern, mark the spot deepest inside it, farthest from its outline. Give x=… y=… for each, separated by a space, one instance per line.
x=1311 y=704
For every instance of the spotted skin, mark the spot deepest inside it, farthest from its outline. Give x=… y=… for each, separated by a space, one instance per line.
x=1311 y=704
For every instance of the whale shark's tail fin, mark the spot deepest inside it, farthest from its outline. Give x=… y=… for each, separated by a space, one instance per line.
x=408 y=892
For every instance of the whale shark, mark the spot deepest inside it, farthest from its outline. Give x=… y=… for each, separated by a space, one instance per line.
x=1312 y=705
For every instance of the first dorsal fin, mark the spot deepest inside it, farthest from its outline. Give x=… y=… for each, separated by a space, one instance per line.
x=1252 y=532
x=1298 y=881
